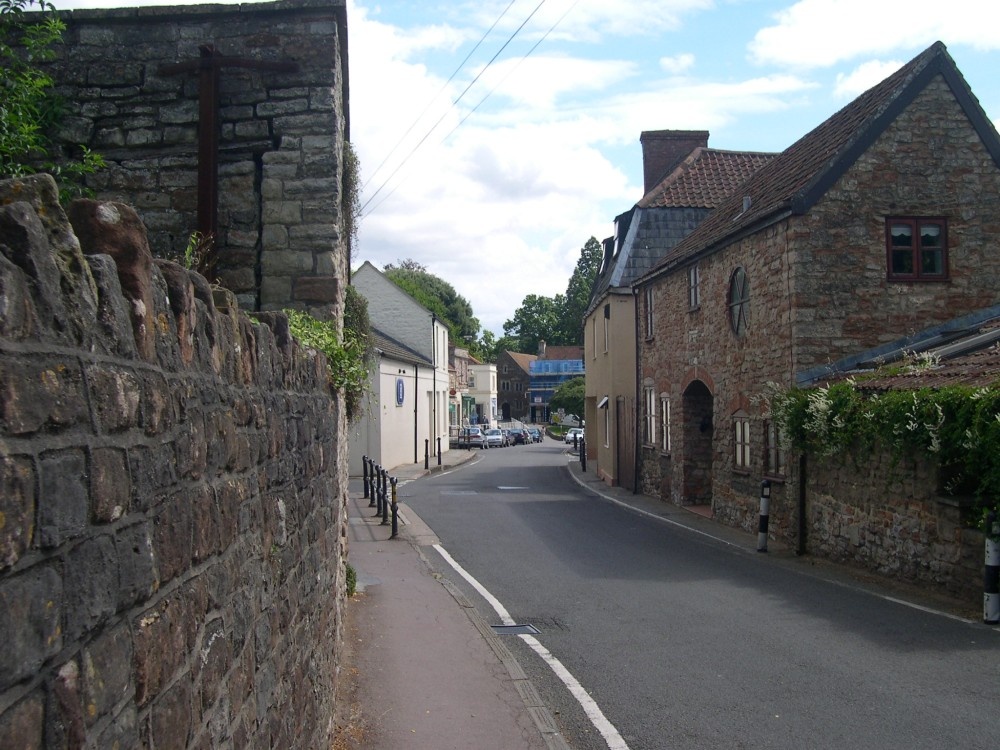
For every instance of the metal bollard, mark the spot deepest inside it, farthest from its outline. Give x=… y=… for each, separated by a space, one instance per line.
x=385 y=501
x=364 y=467
x=395 y=511
x=427 y=454
x=378 y=490
x=439 y=450
x=583 y=453
x=765 y=509
x=991 y=576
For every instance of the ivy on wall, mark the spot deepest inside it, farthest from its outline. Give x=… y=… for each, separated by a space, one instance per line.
x=955 y=427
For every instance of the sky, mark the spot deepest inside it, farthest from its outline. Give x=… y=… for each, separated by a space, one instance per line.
x=496 y=136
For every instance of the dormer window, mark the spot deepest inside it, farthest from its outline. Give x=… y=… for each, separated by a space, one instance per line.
x=916 y=249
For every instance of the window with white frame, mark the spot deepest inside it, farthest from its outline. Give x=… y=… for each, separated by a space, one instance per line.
x=741 y=441
x=650 y=406
x=694 y=287
x=607 y=325
x=664 y=423
x=774 y=453
x=648 y=299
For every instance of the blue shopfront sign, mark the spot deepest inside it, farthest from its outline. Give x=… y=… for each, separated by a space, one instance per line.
x=400 y=391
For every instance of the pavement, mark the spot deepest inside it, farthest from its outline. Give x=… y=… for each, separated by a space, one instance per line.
x=422 y=670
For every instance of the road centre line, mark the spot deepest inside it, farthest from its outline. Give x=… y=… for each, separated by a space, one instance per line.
x=601 y=723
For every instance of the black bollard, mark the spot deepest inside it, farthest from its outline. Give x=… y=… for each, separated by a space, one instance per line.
x=991 y=574
x=364 y=467
x=378 y=490
x=395 y=511
x=439 y=451
x=765 y=511
x=427 y=454
x=385 y=501
x=583 y=453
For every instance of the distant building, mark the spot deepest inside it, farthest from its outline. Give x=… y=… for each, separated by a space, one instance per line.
x=553 y=367
x=514 y=385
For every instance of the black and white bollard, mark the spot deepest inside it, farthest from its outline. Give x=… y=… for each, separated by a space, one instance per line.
x=765 y=510
x=991 y=576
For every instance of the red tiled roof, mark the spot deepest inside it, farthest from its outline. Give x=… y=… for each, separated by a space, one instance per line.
x=704 y=178
x=563 y=352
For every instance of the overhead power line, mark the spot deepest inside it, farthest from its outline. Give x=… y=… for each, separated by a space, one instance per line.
x=481 y=101
x=413 y=150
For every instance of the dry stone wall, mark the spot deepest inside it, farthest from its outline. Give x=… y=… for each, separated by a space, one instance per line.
x=172 y=499
x=280 y=134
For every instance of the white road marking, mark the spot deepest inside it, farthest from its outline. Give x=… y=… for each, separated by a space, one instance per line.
x=601 y=723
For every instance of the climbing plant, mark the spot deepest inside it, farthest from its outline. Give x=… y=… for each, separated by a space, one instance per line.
x=956 y=427
x=348 y=356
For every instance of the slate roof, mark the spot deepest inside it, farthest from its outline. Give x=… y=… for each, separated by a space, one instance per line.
x=704 y=178
x=670 y=211
x=398 y=351
x=798 y=178
x=966 y=350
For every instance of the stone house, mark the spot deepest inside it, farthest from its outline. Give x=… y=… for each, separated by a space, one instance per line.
x=513 y=373
x=879 y=222
x=403 y=320
x=685 y=180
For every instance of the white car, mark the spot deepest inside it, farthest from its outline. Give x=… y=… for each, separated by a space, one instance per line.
x=495 y=438
x=574 y=434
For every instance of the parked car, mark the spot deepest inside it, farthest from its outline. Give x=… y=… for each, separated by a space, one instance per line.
x=495 y=438
x=472 y=437
x=519 y=436
x=536 y=434
x=570 y=420
x=574 y=434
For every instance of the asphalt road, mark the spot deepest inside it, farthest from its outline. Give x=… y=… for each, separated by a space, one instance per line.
x=686 y=642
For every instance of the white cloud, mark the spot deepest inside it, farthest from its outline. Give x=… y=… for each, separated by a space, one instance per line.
x=863 y=77
x=820 y=33
x=677 y=64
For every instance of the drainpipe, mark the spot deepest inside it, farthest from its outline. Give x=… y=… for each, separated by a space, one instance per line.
x=635 y=401
x=434 y=376
x=416 y=408
x=801 y=547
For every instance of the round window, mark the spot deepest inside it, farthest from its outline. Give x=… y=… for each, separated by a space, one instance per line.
x=739 y=301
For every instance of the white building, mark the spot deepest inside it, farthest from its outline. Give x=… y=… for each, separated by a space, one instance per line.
x=483 y=391
x=407 y=411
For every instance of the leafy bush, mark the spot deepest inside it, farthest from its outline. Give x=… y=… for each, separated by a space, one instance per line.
x=29 y=109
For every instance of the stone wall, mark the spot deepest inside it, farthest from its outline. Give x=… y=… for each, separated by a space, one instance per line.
x=885 y=515
x=281 y=134
x=172 y=499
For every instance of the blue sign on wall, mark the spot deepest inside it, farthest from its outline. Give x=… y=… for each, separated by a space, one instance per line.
x=400 y=391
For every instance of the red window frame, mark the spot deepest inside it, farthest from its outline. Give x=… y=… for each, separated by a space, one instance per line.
x=896 y=252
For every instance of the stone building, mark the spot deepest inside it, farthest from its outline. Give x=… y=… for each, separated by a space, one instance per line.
x=229 y=120
x=514 y=384
x=880 y=222
x=685 y=181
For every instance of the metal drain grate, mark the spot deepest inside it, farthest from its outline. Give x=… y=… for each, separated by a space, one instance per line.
x=515 y=629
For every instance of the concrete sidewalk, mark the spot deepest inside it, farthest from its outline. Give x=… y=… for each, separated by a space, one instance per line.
x=422 y=669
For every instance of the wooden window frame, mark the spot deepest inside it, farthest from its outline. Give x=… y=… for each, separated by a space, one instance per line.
x=741 y=442
x=917 y=249
x=775 y=464
x=694 y=287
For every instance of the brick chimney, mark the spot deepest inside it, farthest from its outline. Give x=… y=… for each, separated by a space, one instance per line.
x=541 y=349
x=662 y=150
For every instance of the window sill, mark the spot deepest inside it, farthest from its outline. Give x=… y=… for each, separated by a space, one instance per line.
x=775 y=478
x=740 y=471
x=696 y=308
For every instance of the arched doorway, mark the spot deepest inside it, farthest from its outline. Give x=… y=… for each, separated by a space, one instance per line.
x=505 y=411
x=697 y=448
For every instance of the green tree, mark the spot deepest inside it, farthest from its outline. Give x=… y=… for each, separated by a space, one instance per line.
x=569 y=397
x=438 y=296
x=535 y=320
x=578 y=291
x=30 y=111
